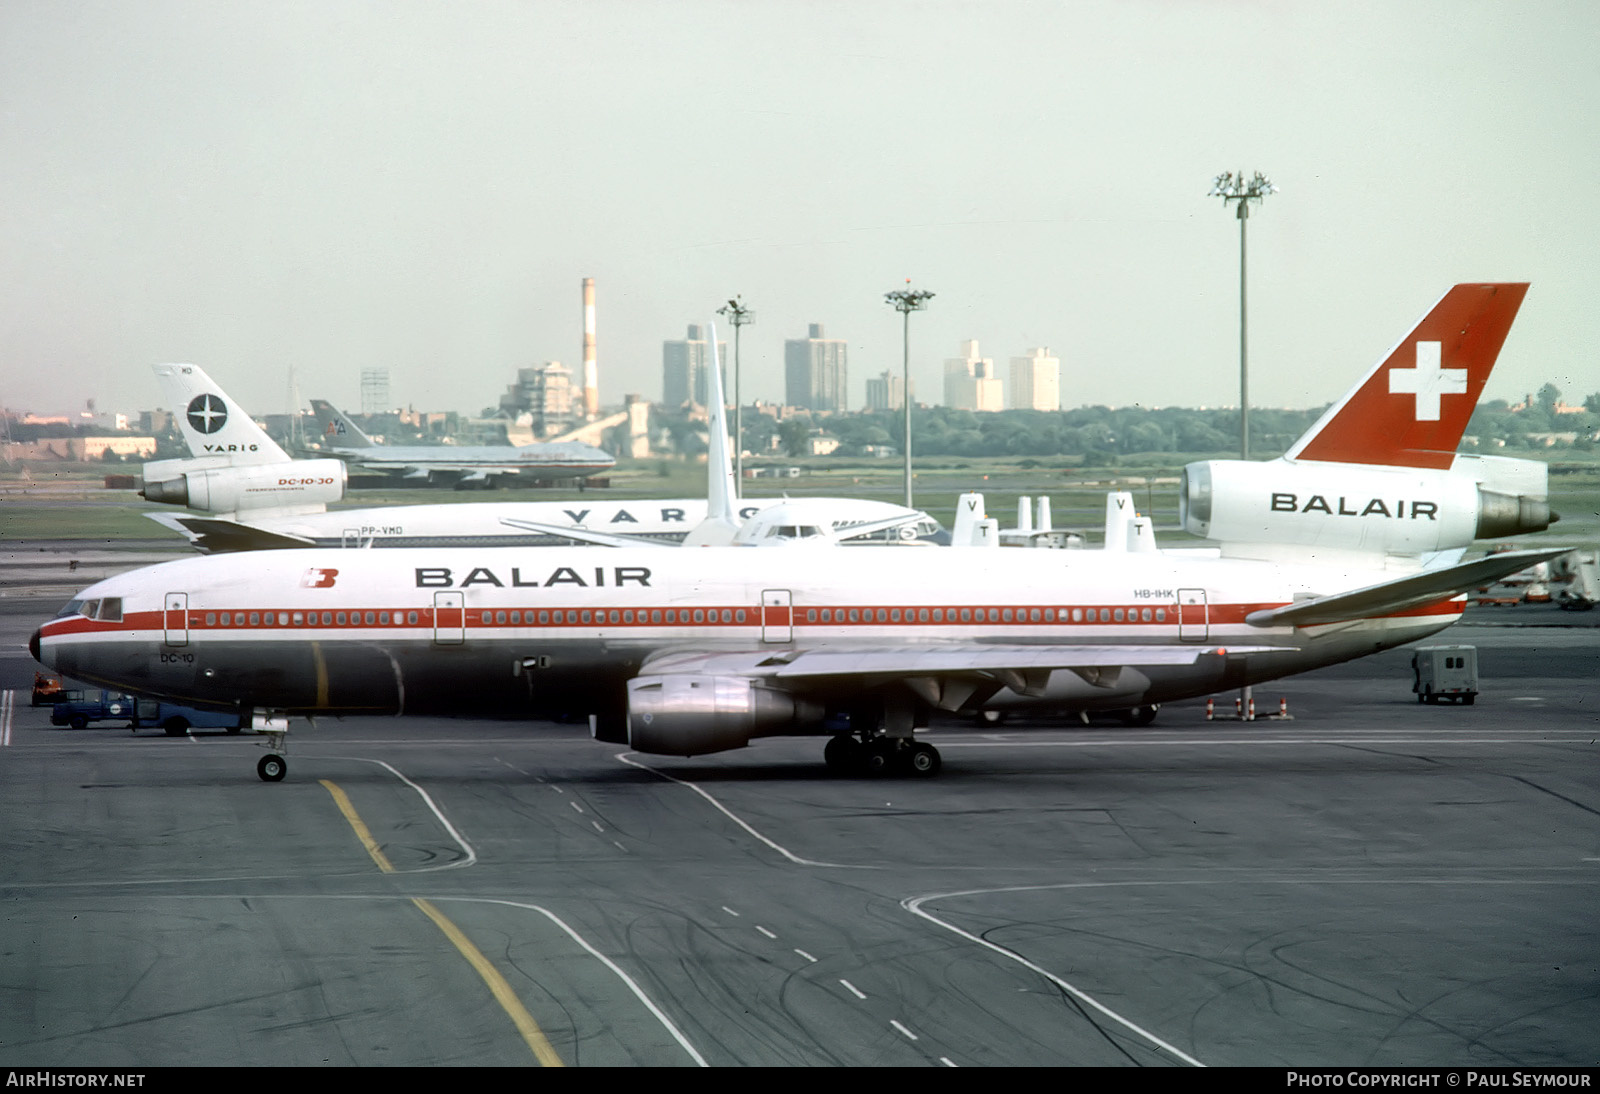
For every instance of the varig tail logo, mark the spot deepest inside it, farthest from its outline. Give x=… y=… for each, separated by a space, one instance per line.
x=316 y=578
x=207 y=413
x=1427 y=381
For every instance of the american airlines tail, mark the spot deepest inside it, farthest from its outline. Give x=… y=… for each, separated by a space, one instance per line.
x=337 y=431
x=211 y=423
x=1411 y=409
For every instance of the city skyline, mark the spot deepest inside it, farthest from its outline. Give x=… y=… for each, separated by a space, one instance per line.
x=332 y=189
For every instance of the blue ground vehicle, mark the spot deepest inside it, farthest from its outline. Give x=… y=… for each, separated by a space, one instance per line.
x=78 y=708
x=178 y=719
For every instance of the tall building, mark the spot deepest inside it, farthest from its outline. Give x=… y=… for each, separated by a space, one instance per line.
x=1036 y=380
x=887 y=392
x=685 y=367
x=375 y=391
x=970 y=382
x=816 y=371
x=545 y=395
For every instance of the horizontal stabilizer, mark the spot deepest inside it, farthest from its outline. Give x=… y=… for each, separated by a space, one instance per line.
x=1401 y=594
x=222 y=536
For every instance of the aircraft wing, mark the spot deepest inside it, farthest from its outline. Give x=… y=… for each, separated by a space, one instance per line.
x=1411 y=591
x=946 y=674
x=583 y=535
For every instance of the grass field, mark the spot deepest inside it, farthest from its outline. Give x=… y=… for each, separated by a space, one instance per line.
x=74 y=503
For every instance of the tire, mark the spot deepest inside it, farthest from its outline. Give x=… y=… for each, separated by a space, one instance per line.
x=176 y=726
x=877 y=758
x=78 y=721
x=272 y=769
x=924 y=760
x=991 y=717
x=842 y=755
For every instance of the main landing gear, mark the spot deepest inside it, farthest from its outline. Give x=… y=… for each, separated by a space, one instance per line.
x=881 y=755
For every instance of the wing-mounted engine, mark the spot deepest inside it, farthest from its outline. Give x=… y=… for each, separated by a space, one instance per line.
x=690 y=714
x=1353 y=507
x=299 y=486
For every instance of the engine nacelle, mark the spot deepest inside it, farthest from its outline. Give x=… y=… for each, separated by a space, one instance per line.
x=687 y=714
x=1355 y=507
x=298 y=484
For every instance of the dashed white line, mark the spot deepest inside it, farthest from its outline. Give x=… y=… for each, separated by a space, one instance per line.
x=766 y=932
x=576 y=806
x=730 y=911
x=948 y=1062
x=904 y=1030
x=853 y=989
x=807 y=956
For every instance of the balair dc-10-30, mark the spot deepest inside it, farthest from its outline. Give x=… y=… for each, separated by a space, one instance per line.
x=690 y=652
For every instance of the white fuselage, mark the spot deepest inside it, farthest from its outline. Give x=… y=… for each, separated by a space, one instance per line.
x=497 y=629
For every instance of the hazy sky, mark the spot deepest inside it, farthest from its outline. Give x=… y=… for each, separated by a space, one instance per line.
x=325 y=187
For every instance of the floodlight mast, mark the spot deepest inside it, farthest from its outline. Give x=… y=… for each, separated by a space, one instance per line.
x=905 y=301
x=1235 y=188
x=738 y=315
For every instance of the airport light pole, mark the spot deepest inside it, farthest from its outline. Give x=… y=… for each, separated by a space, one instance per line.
x=1236 y=188
x=905 y=301
x=738 y=315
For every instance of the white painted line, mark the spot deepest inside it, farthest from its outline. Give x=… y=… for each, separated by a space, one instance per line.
x=807 y=956
x=719 y=807
x=472 y=856
x=947 y=1061
x=915 y=908
x=619 y=846
x=576 y=806
x=597 y=826
x=766 y=932
x=904 y=1030
x=633 y=986
x=853 y=989
x=729 y=910
x=8 y=701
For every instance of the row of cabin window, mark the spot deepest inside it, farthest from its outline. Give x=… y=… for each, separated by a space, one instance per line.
x=700 y=615
x=655 y=615
x=986 y=615
x=309 y=619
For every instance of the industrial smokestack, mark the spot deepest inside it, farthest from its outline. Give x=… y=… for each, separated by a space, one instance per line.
x=591 y=371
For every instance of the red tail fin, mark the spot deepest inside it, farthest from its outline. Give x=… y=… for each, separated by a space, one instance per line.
x=1412 y=408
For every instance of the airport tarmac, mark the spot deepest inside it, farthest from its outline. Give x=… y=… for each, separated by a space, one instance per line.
x=1372 y=883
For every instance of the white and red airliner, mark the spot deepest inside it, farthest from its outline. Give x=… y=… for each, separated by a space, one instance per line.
x=690 y=652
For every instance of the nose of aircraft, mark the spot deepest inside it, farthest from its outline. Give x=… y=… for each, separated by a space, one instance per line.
x=33 y=647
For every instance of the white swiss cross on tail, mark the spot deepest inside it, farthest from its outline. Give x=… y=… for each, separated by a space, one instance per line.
x=1427 y=381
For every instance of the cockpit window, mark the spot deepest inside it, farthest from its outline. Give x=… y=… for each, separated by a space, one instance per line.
x=110 y=610
x=72 y=607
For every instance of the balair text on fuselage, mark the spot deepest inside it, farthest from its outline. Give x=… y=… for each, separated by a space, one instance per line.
x=444 y=577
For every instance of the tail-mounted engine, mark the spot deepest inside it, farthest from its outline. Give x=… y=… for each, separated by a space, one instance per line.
x=689 y=715
x=1341 y=506
x=304 y=484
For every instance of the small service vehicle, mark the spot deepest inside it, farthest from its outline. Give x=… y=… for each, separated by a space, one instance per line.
x=78 y=708
x=1445 y=672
